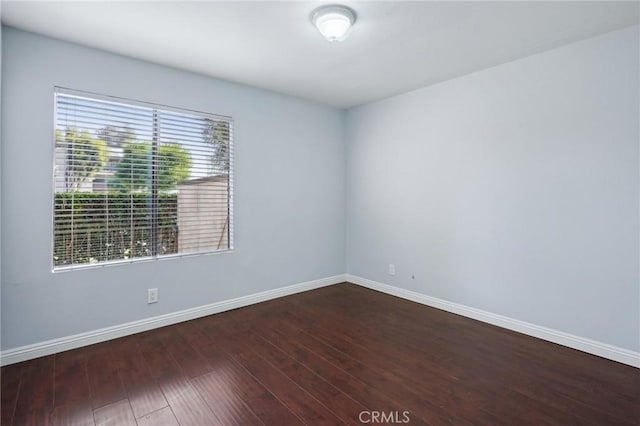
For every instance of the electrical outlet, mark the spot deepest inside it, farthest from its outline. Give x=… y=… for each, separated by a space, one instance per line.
x=152 y=295
x=392 y=269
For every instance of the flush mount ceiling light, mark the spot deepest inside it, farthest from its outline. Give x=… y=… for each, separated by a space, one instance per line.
x=334 y=22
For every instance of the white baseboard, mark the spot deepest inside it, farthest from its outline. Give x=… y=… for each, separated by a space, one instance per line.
x=603 y=350
x=49 y=347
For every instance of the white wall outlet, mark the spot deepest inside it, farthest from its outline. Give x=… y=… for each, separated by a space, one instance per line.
x=152 y=295
x=392 y=269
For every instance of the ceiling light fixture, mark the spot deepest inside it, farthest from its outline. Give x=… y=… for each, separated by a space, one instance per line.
x=334 y=21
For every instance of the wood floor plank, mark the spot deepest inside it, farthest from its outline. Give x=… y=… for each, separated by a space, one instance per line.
x=10 y=378
x=115 y=414
x=162 y=417
x=35 y=398
x=71 y=387
x=73 y=414
x=187 y=404
x=102 y=370
x=71 y=378
x=141 y=388
x=225 y=401
x=160 y=364
x=190 y=361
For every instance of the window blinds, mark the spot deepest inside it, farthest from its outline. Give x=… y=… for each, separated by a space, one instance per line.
x=134 y=181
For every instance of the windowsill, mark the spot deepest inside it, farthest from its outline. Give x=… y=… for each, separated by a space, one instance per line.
x=86 y=266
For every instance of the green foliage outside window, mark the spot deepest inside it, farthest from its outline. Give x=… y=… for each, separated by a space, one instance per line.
x=133 y=171
x=94 y=227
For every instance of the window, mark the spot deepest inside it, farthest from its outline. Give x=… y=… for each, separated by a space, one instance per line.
x=136 y=181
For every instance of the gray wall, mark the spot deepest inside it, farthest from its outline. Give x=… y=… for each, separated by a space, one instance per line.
x=284 y=234
x=513 y=190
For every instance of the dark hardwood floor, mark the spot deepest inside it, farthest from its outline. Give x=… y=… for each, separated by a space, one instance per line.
x=338 y=355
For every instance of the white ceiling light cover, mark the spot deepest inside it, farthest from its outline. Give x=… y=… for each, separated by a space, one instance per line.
x=334 y=22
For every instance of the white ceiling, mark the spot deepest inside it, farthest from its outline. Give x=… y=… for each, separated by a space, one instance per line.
x=394 y=47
